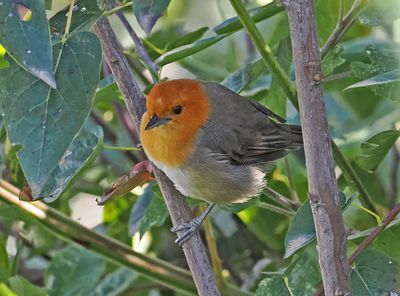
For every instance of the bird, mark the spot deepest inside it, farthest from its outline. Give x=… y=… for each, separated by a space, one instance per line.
x=212 y=143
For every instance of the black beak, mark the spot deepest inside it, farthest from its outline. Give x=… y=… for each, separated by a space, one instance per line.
x=156 y=121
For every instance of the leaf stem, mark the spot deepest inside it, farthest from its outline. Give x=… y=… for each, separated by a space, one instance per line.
x=275 y=209
x=292 y=185
x=69 y=18
x=121 y=148
x=265 y=50
x=116 y=9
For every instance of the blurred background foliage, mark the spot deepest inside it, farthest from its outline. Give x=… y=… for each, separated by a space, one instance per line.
x=264 y=247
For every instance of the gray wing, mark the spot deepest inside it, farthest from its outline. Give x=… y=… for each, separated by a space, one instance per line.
x=245 y=132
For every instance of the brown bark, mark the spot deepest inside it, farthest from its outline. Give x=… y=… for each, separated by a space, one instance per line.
x=323 y=192
x=178 y=208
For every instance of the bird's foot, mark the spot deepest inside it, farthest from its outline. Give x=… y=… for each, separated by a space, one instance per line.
x=185 y=230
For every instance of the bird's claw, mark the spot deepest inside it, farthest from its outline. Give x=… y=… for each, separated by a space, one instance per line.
x=186 y=229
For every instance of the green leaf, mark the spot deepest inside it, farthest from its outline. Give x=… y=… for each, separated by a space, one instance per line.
x=3 y=61
x=388 y=242
x=148 y=12
x=115 y=283
x=239 y=79
x=25 y=288
x=187 y=50
x=374 y=150
x=155 y=215
x=332 y=60
x=107 y=90
x=382 y=60
x=28 y=40
x=302 y=230
x=301 y=277
x=4 y=261
x=187 y=38
x=380 y=13
x=257 y=14
x=81 y=151
x=381 y=79
x=238 y=207
x=85 y=15
x=375 y=274
x=6 y=291
x=43 y=120
x=139 y=209
x=73 y=271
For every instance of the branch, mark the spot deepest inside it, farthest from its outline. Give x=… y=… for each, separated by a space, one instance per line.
x=324 y=197
x=178 y=208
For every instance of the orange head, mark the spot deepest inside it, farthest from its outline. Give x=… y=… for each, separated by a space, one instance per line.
x=176 y=110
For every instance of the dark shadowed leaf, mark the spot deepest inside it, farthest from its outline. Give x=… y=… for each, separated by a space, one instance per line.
x=388 y=242
x=86 y=13
x=375 y=274
x=186 y=39
x=374 y=150
x=257 y=14
x=81 y=151
x=73 y=271
x=302 y=230
x=40 y=118
x=380 y=13
x=381 y=79
x=25 y=288
x=148 y=12
x=239 y=79
x=139 y=209
x=115 y=283
x=187 y=50
x=27 y=39
x=272 y=286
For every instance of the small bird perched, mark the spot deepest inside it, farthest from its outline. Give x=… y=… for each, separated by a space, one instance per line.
x=212 y=142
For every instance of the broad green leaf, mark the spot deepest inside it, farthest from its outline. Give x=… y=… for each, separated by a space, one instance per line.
x=374 y=273
x=302 y=230
x=388 y=242
x=381 y=79
x=301 y=277
x=45 y=121
x=382 y=60
x=107 y=90
x=239 y=79
x=73 y=271
x=81 y=151
x=187 y=50
x=374 y=150
x=332 y=60
x=272 y=286
x=148 y=12
x=139 y=209
x=115 y=283
x=84 y=16
x=186 y=39
x=154 y=216
x=380 y=13
x=6 y=291
x=25 y=288
x=4 y=261
x=238 y=207
x=257 y=14
x=3 y=61
x=27 y=40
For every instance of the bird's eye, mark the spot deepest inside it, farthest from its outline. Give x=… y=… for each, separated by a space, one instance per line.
x=178 y=109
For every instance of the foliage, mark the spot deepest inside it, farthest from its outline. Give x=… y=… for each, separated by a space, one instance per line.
x=61 y=111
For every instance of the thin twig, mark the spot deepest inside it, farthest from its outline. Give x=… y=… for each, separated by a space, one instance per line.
x=116 y=9
x=285 y=202
x=338 y=76
x=341 y=12
x=343 y=26
x=292 y=185
x=276 y=209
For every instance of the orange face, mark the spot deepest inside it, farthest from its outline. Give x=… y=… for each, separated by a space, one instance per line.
x=176 y=110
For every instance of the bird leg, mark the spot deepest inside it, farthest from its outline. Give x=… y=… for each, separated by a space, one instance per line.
x=188 y=229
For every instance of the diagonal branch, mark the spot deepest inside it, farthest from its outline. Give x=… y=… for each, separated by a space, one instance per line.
x=324 y=197
x=178 y=208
